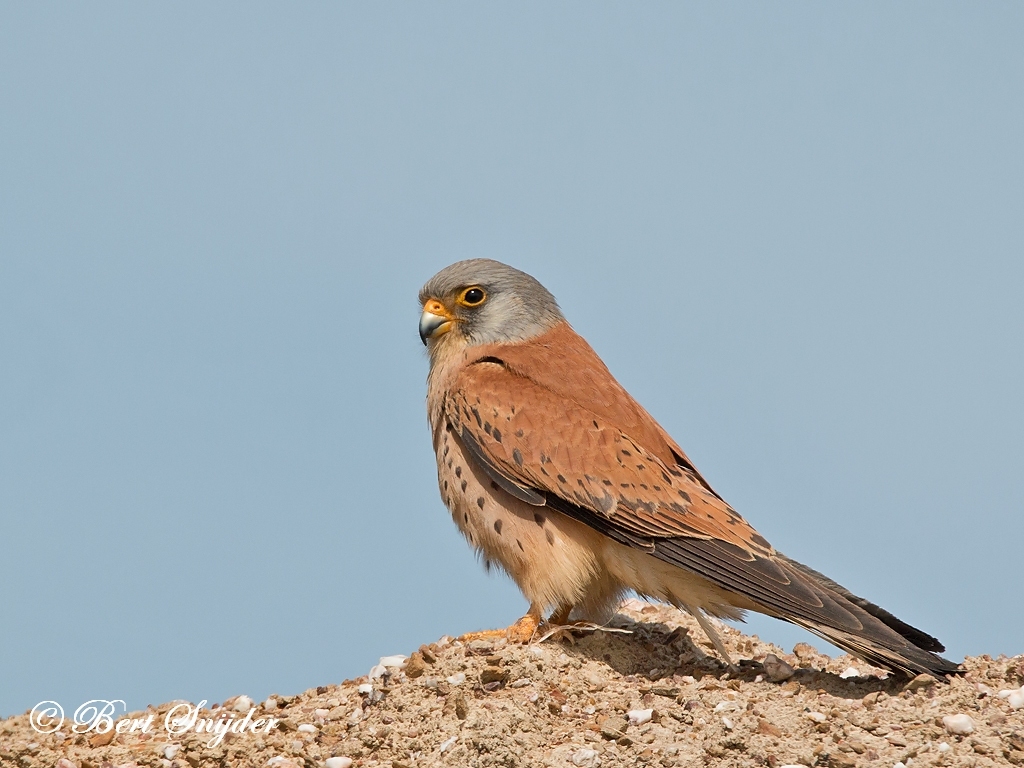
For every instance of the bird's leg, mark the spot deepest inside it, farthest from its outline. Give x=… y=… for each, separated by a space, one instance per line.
x=711 y=633
x=520 y=632
x=560 y=617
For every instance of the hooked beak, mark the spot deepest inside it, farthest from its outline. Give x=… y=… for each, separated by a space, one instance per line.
x=435 y=321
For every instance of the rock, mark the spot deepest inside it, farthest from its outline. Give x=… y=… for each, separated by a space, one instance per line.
x=871 y=699
x=415 y=666
x=338 y=762
x=393 y=662
x=805 y=652
x=639 y=716
x=461 y=705
x=584 y=757
x=776 y=670
x=493 y=675
x=763 y=726
x=849 y=672
x=959 y=725
x=614 y=728
x=242 y=704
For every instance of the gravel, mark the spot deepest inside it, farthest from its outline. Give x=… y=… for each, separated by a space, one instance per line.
x=653 y=694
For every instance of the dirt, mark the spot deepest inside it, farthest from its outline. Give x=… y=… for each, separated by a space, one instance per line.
x=582 y=699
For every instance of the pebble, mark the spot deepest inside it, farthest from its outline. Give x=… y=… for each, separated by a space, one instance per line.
x=522 y=682
x=171 y=750
x=393 y=661
x=321 y=712
x=306 y=728
x=365 y=688
x=728 y=706
x=639 y=716
x=1014 y=696
x=377 y=671
x=270 y=704
x=242 y=704
x=817 y=717
x=920 y=682
x=457 y=679
x=849 y=672
x=338 y=762
x=584 y=757
x=776 y=670
x=943 y=747
x=958 y=724
x=727 y=723
x=448 y=744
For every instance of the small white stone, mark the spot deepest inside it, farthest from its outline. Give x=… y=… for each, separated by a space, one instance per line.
x=322 y=712
x=270 y=704
x=457 y=679
x=357 y=715
x=171 y=750
x=522 y=682
x=899 y=765
x=759 y=679
x=849 y=672
x=306 y=728
x=817 y=717
x=727 y=723
x=639 y=716
x=448 y=744
x=242 y=704
x=338 y=762
x=943 y=747
x=534 y=697
x=728 y=706
x=377 y=671
x=1016 y=699
x=584 y=757
x=366 y=689
x=393 y=661
x=959 y=724
x=688 y=679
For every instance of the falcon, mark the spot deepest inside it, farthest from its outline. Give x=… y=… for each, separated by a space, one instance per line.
x=557 y=476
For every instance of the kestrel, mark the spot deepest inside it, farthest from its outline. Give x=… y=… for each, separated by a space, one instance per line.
x=554 y=473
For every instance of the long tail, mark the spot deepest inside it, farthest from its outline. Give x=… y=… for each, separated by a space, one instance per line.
x=882 y=639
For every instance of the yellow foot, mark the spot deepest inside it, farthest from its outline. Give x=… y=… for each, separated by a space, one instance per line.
x=521 y=632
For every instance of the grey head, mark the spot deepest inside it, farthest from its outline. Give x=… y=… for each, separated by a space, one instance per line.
x=482 y=301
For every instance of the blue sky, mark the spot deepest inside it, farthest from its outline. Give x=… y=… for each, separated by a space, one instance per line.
x=794 y=232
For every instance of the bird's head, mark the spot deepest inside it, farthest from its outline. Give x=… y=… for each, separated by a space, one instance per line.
x=480 y=301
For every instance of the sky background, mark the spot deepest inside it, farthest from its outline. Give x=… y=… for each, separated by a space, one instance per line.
x=794 y=232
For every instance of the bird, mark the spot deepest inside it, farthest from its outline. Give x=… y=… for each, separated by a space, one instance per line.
x=558 y=477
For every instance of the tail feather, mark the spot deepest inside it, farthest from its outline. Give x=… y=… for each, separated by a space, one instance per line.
x=882 y=639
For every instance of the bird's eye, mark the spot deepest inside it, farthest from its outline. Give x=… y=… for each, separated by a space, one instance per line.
x=472 y=297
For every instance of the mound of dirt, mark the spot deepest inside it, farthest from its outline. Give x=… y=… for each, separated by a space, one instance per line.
x=647 y=691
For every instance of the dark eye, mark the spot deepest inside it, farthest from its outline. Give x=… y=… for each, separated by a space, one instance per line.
x=472 y=297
